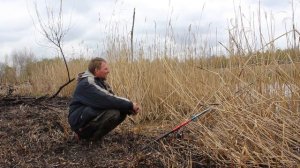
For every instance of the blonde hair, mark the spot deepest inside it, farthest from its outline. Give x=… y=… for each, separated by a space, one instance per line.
x=95 y=63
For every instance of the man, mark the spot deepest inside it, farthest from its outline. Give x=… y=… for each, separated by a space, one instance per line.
x=94 y=109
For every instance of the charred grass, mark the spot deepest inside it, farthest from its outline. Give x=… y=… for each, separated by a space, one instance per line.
x=34 y=133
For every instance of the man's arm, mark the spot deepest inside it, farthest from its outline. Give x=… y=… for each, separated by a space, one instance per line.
x=93 y=95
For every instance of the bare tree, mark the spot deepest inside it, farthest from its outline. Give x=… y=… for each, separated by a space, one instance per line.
x=54 y=31
x=21 y=59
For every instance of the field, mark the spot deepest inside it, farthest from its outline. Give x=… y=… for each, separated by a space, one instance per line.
x=36 y=135
x=254 y=121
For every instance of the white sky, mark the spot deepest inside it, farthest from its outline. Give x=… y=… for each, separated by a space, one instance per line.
x=91 y=20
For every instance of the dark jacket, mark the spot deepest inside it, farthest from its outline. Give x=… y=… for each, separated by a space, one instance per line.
x=93 y=93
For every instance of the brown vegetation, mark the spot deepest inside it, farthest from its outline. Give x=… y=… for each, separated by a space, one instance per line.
x=254 y=123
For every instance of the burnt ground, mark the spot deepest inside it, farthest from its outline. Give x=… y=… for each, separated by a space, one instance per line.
x=34 y=133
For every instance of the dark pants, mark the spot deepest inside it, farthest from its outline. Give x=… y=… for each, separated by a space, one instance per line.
x=102 y=124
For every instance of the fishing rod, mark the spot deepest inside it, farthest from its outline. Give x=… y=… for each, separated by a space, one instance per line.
x=193 y=118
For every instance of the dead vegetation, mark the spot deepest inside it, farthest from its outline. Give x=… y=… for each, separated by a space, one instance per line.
x=37 y=135
x=254 y=123
x=34 y=133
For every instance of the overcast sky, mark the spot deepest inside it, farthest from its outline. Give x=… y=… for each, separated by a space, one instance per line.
x=91 y=20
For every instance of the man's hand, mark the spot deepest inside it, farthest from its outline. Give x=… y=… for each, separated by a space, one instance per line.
x=135 y=109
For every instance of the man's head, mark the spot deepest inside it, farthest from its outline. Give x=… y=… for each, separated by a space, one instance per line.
x=99 y=67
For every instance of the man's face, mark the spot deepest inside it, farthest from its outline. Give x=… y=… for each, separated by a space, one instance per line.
x=103 y=71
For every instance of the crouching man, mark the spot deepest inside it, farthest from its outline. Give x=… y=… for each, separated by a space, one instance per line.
x=94 y=109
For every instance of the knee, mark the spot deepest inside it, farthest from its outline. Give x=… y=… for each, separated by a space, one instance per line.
x=116 y=115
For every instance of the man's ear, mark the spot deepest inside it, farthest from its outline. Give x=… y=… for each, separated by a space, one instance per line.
x=94 y=73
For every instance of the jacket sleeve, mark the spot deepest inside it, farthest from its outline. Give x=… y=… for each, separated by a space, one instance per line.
x=93 y=95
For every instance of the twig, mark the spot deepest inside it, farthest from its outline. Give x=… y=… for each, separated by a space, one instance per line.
x=61 y=87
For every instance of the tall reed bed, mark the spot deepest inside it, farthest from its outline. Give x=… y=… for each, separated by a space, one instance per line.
x=256 y=113
x=255 y=119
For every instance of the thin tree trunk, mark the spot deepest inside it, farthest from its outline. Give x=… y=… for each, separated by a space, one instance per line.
x=131 y=37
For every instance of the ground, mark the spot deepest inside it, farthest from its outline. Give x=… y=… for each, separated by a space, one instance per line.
x=34 y=133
